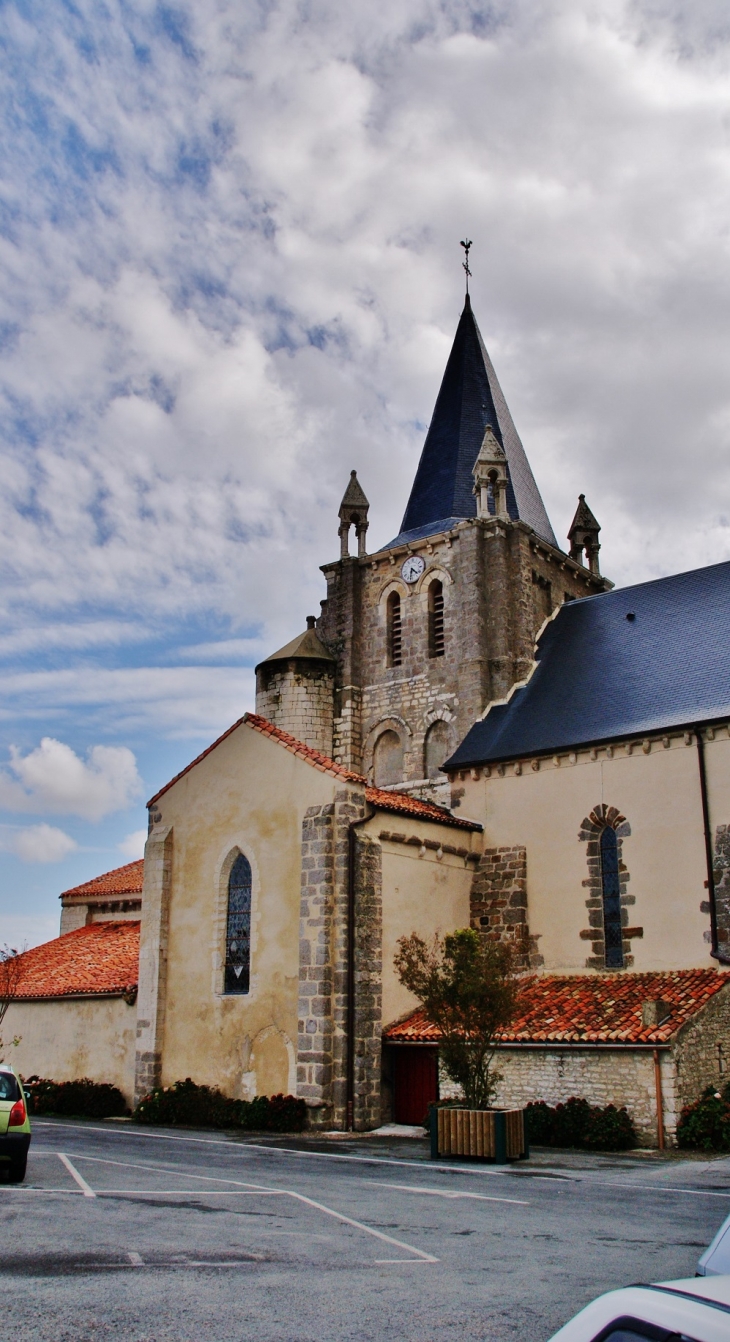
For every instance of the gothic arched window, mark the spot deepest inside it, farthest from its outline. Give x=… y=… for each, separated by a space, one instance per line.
x=436 y=619
x=238 y=927
x=611 y=900
x=395 y=637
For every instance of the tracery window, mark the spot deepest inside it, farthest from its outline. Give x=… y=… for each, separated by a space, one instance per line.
x=395 y=632
x=611 y=899
x=436 y=619
x=238 y=927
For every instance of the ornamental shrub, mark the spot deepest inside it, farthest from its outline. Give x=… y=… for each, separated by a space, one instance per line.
x=206 y=1107
x=580 y=1124
x=76 y=1099
x=705 y=1125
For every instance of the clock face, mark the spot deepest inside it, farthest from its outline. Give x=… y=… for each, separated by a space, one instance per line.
x=413 y=568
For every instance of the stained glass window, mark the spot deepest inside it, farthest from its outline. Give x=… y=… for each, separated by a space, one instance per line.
x=611 y=900
x=238 y=927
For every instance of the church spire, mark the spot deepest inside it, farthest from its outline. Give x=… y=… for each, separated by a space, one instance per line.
x=470 y=400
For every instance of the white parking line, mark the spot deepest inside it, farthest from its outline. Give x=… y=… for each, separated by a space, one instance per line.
x=558 y=1179
x=420 y=1253
x=442 y=1192
x=281 y=1192
x=87 y=1192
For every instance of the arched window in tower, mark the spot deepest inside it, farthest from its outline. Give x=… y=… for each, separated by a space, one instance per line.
x=388 y=760
x=238 y=927
x=611 y=900
x=436 y=619
x=436 y=749
x=395 y=633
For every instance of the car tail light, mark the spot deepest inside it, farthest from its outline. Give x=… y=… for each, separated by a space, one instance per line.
x=17 y=1115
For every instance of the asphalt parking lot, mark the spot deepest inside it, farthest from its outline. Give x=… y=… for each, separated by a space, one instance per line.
x=145 y=1235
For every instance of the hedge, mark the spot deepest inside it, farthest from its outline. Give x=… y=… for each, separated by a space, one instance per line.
x=77 y=1099
x=705 y=1125
x=580 y=1124
x=206 y=1107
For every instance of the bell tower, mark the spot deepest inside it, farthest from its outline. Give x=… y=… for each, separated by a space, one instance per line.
x=427 y=630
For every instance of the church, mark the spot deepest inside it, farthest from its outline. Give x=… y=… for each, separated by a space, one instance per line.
x=477 y=729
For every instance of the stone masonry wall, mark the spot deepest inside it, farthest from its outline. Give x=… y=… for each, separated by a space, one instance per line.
x=299 y=698
x=702 y=1050
x=601 y=1076
x=498 y=581
x=323 y=956
x=368 y=981
x=498 y=902
x=721 y=874
x=154 y=933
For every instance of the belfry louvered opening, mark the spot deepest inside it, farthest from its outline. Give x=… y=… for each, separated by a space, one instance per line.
x=436 y=619
x=395 y=632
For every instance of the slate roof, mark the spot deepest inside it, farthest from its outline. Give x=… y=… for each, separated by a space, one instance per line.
x=470 y=398
x=380 y=798
x=601 y=676
x=601 y=1009
x=125 y=880
x=100 y=960
x=307 y=646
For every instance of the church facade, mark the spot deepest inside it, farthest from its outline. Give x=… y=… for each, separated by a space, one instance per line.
x=475 y=730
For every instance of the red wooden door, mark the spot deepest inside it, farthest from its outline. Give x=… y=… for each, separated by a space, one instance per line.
x=415 y=1082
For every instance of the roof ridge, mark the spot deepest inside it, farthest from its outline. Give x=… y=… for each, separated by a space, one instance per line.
x=87 y=886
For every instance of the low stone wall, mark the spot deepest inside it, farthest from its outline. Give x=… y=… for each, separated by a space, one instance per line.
x=65 y=1040
x=601 y=1076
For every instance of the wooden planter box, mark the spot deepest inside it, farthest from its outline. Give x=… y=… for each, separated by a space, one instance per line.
x=482 y=1134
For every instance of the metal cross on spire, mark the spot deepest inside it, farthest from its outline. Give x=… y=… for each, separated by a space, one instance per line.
x=466 y=244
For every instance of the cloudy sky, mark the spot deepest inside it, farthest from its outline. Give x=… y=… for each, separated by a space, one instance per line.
x=229 y=242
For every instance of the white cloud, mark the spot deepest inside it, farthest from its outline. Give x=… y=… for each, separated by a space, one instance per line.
x=39 y=843
x=133 y=846
x=52 y=778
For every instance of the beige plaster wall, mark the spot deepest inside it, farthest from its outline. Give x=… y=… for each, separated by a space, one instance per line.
x=66 y=1040
x=248 y=794
x=421 y=893
x=659 y=794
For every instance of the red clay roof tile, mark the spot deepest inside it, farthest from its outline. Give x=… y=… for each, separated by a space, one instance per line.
x=578 y=1009
x=125 y=880
x=99 y=960
x=378 y=797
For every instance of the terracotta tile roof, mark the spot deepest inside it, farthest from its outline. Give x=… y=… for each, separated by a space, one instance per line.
x=604 y=1009
x=100 y=960
x=402 y=804
x=378 y=797
x=125 y=880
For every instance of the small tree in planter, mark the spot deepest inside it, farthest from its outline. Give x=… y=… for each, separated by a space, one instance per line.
x=11 y=972
x=468 y=987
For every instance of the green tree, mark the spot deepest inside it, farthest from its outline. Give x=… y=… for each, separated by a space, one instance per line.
x=468 y=988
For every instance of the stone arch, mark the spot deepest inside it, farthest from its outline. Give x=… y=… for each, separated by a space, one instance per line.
x=388 y=759
x=432 y=573
x=393 y=723
x=392 y=585
x=604 y=831
x=437 y=746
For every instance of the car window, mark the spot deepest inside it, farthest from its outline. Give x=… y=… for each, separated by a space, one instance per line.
x=8 y=1087
x=637 y=1330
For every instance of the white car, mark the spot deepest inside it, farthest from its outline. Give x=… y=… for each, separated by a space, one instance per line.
x=716 y=1258
x=694 y=1309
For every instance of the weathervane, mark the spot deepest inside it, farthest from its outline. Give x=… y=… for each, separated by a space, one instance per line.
x=465 y=263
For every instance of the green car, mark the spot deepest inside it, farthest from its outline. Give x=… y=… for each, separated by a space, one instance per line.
x=14 y=1125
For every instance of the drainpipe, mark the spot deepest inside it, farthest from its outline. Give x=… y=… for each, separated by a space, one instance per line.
x=659 y=1103
x=350 y=1005
x=715 y=952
